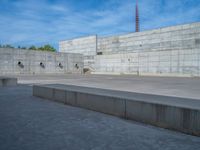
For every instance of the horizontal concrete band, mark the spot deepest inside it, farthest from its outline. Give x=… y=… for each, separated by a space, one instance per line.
x=168 y=112
x=8 y=81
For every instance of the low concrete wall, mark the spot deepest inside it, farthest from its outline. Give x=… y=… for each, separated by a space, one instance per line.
x=8 y=81
x=17 y=61
x=168 y=112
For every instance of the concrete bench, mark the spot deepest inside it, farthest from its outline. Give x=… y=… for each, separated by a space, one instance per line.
x=174 y=113
x=4 y=81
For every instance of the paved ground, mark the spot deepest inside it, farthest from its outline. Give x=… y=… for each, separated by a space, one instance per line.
x=30 y=123
x=179 y=87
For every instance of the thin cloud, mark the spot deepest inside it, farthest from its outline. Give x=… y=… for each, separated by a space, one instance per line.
x=27 y=22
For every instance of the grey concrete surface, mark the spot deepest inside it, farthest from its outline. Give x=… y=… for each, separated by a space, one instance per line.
x=169 y=51
x=50 y=90
x=168 y=86
x=5 y=81
x=18 y=61
x=93 y=99
x=85 y=45
x=168 y=112
x=30 y=123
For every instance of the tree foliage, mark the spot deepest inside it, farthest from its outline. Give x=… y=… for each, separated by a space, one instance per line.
x=46 y=47
x=32 y=48
x=6 y=46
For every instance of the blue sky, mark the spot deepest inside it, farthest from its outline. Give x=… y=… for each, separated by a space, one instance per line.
x=38 y=22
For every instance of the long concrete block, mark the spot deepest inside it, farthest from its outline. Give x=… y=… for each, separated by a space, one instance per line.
x=71 y=98
x=96 y=102
x=4 y=81
x=43 y=92
x=186 y=120
x=100 y=103
x=168 y=112
x=59 y=95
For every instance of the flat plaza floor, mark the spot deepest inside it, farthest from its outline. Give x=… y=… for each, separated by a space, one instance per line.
x=169 y=86
x=30 y=123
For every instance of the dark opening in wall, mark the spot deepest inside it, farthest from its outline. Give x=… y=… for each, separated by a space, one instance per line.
x=76 y=66
x=60 y=65
x=42 y=65
x=99 y=53
x=20 y=64
x=86 y=70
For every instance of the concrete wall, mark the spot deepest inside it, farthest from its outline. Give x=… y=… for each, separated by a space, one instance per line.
x=85 y=45
x=30 y=62
x=181 y=37
x=167 y=51
x=167 y=63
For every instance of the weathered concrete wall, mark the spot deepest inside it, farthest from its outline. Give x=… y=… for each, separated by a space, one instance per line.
x=167 y=51
x=16 y=61
x=182 y=37
x=85 y=45
x=167 y=63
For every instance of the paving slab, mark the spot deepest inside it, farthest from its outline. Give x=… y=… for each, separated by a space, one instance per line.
x=168 y=86
x=30 y=123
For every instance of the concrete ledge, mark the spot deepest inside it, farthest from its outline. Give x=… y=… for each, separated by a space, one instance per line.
x=104 y=104
x=168 y=112
x=4 y=81
x=145 y=74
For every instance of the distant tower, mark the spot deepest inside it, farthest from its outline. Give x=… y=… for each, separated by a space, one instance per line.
x=137 y=19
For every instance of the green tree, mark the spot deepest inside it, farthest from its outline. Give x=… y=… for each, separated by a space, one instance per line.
x=40 y=48
x=32 y=48
x=47 y=48
x=23 y=48
x=8 y=46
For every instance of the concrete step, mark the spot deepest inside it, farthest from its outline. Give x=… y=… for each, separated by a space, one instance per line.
x=174 y=113
x=4 y=81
